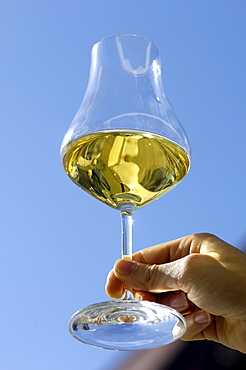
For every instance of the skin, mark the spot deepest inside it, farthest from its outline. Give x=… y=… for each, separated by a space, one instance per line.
x=200 y=276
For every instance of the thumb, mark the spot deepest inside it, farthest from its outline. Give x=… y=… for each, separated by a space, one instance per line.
x=148 y=278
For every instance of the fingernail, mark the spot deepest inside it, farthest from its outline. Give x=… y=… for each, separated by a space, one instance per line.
x=138 y=297
x=202 y=317
x=178 y=300
x=178 y=330
x=124 y=267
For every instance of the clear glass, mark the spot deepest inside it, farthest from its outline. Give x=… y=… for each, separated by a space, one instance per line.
x=126 y=148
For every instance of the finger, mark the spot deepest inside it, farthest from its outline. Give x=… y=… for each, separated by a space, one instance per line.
x=177 y=300
x=164 y=252
x=144 y=296
x=114 y=287
x=175 y=249
x=196 y=323
x=148 y=278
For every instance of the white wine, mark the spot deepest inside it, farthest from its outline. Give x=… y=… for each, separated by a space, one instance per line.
x=125 y=166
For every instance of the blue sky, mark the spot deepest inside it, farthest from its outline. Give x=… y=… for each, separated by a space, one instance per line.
x=58 y=243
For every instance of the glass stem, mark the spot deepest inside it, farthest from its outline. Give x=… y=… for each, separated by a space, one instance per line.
x=126 y=211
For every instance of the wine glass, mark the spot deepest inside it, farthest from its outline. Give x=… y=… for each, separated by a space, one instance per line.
x=126 y=148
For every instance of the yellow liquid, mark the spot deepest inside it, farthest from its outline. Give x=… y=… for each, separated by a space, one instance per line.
x=125 y=166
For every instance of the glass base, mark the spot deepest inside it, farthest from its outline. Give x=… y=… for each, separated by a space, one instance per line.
x=127 y=325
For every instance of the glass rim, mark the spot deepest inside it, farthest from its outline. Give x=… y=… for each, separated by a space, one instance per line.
x=126 y=35
x=114 y=41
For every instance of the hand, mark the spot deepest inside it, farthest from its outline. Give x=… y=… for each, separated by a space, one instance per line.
x=199 y=275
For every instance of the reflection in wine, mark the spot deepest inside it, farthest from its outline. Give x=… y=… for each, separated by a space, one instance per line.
x=125 y=166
